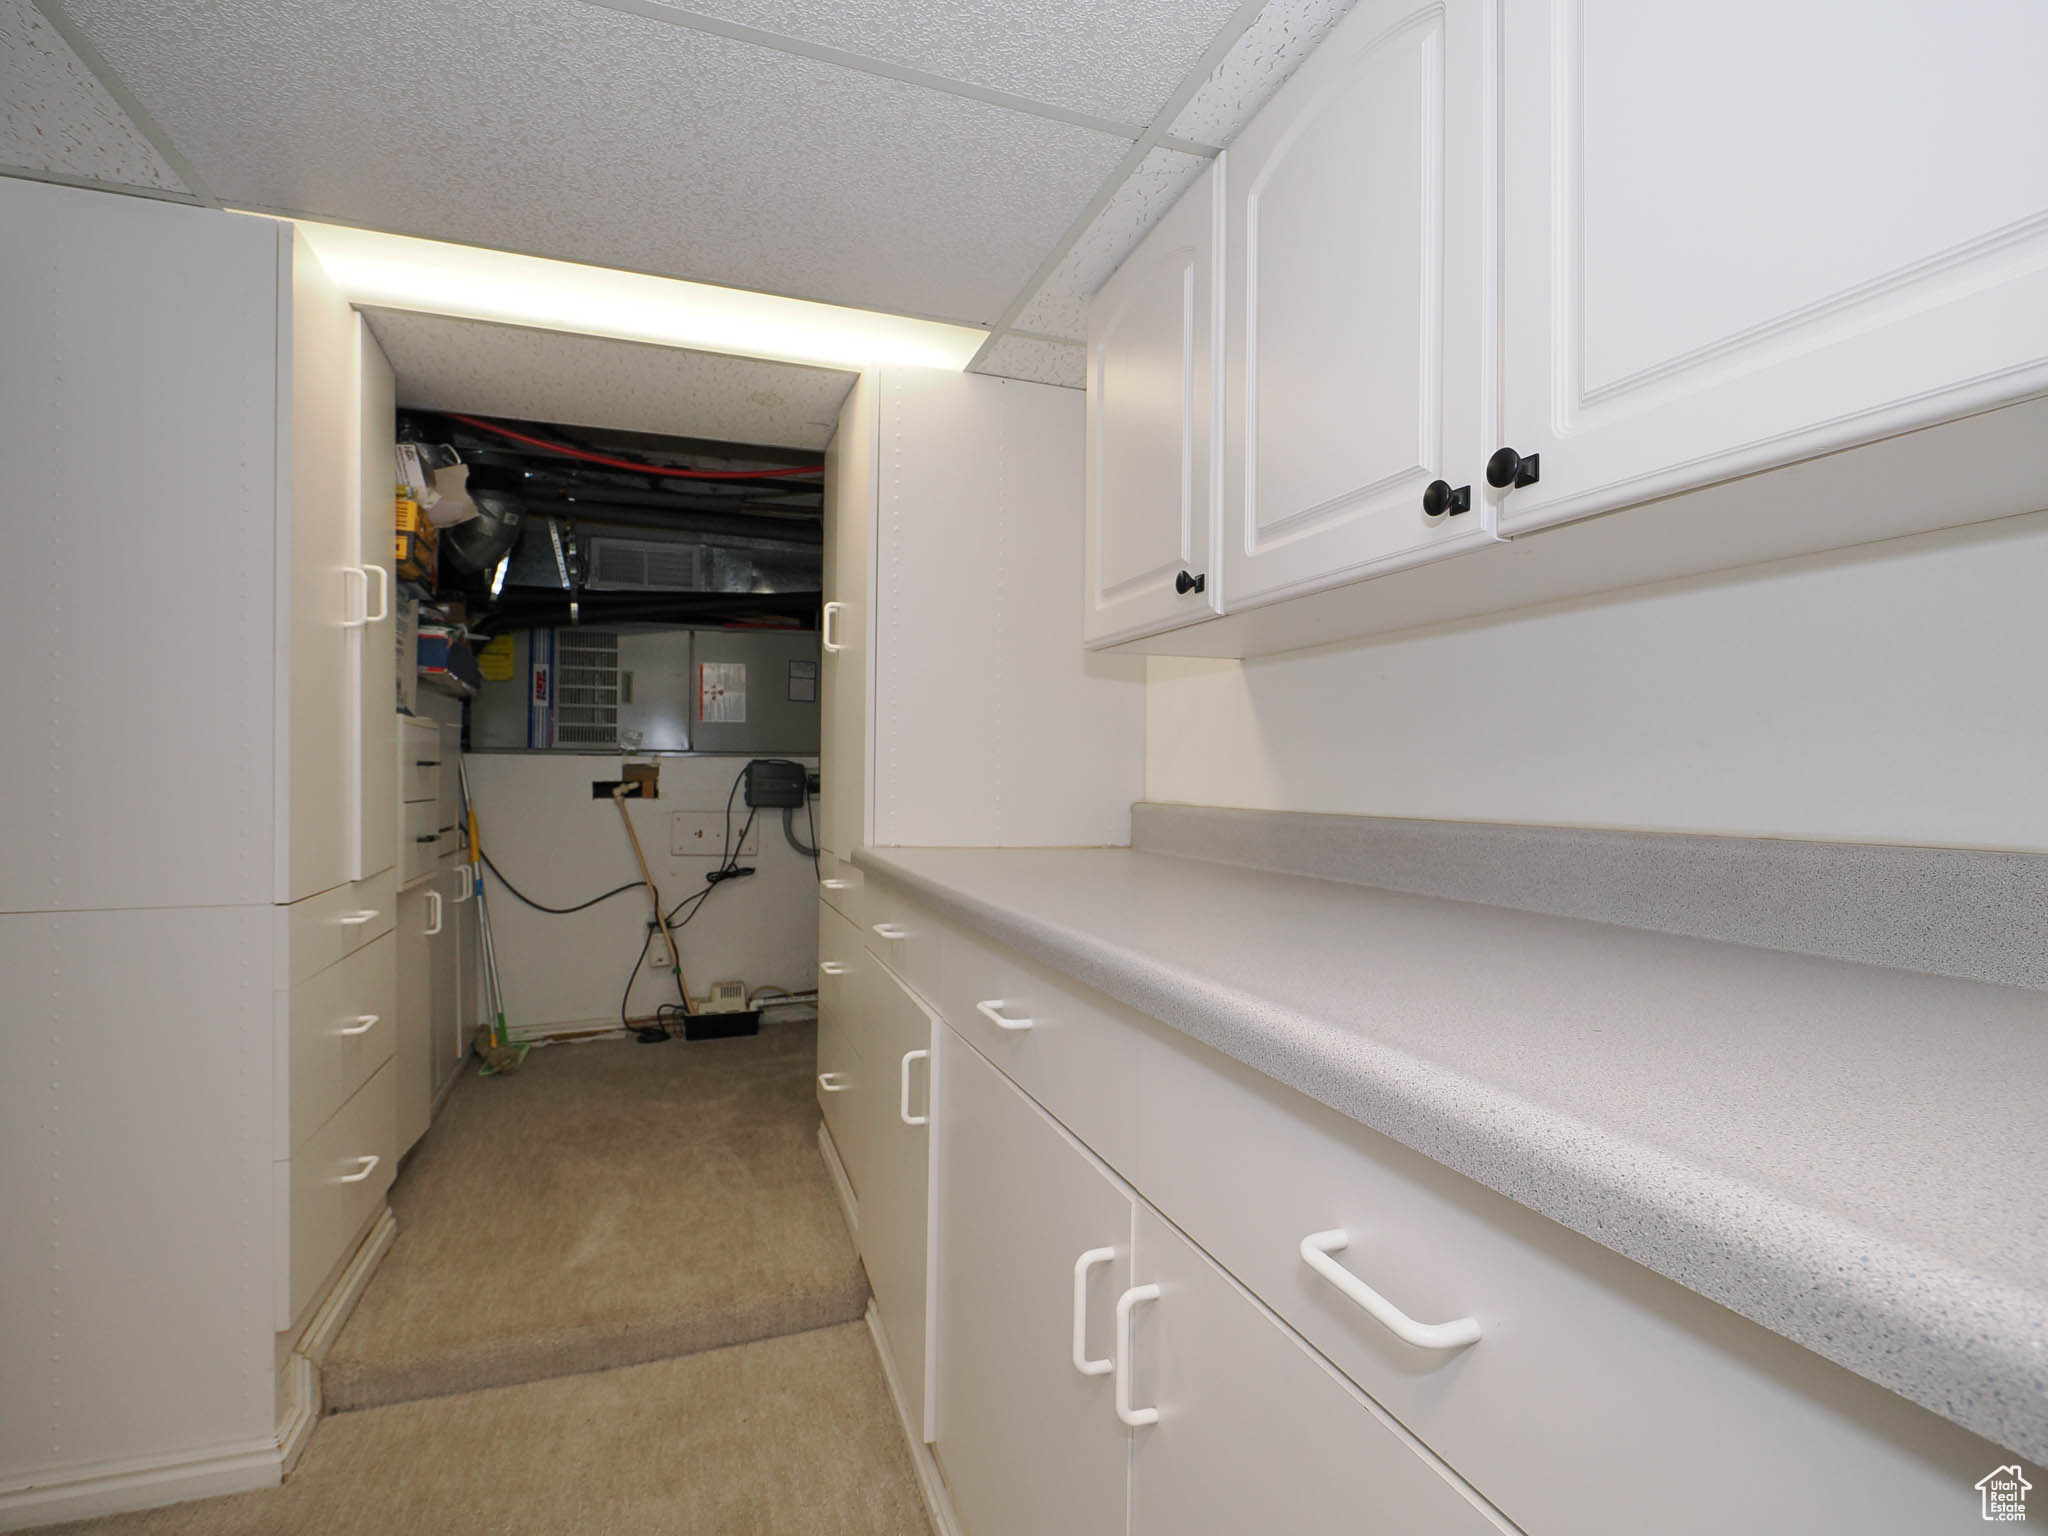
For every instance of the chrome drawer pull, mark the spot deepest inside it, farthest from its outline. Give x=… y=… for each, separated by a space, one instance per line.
x=1316 y=1249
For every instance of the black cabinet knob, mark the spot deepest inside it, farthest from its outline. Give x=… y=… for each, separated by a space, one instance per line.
x=1508 y=469
x=1187 y=582
x=1441 y=499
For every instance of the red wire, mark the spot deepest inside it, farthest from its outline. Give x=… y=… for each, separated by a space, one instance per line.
x=638 y=468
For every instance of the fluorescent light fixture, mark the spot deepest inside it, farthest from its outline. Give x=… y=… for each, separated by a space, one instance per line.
x=433 y=277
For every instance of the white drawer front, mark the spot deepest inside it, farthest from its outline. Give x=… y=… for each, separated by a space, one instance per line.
x=841 y=882
x=1596 y=1391
x=420 y=840
x=323 y=929
x=343 y=1026
x=842 y=1065
x=336 y=1185
x=900 y=934
x=419 y=760
x=1073 y=1050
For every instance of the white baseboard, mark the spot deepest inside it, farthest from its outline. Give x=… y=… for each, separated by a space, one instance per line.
x=842 y=1186
x=302 y=1366
x=141 y=1482
x=931 y=1483
x=92 y=1489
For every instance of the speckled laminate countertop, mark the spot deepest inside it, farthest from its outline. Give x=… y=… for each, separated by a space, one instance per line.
x=1854 y=1157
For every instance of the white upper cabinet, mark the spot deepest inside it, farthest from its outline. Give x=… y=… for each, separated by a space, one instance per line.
x=1358 y=282
x=1742 y=234
x=1151 y=427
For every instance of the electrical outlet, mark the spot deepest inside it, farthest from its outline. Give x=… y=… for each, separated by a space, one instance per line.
x=702 y=834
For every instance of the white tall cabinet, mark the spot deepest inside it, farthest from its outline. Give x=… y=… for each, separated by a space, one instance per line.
x=959 y=707
x=199 y=1132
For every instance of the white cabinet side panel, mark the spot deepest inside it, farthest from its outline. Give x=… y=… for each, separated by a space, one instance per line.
x=324 y=426
x=849 y=518
x=137 y=424
x=373 y=795
x=135 y=1128
x=993 y=726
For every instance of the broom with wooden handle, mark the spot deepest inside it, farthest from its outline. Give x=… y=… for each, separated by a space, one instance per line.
x=675 y=960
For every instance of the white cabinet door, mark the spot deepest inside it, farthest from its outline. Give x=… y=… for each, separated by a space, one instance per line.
x=419 y=908
x=893 y=1197
x=1152 y=427
x=1254 y=1432
x=324 y=587
x=849 y=519
x=444 y=971
x=1359 y=275
x=373 y=722
x=1028 y=1443
x=1752 y=232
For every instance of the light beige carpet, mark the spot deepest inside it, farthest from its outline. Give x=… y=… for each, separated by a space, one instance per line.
x=793 y=1436
x=605 y=1205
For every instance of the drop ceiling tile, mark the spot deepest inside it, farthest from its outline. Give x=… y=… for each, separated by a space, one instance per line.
x=1258 y=64
x=1060 y=307
x=1118 y=59
x=1042 y=362
x=446 y=364
x=55 y=116
x=578 y=132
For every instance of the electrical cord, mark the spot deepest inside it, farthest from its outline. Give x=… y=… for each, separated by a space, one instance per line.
x=541 y=906
x=789 y=830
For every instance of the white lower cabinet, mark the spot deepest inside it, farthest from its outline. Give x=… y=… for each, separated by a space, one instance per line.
x=1254 y=1432
x=422 y=914
x=1259 y=1314
x=842 y=1072
x=894 y=1154
x=1028 y=1443
x=338 y=1180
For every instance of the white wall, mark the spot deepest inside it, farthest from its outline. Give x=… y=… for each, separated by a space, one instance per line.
x=540 y=825
x=1895 y=693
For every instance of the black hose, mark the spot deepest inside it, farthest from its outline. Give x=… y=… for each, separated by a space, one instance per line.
x=789 y=831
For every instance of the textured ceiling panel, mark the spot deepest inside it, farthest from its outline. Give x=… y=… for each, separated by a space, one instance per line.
x=1060 y=307
x=590 y=381
x=1042 y=362
x=1258 y=64
x=568 y=130
x=1119 y=59
x=56 y=118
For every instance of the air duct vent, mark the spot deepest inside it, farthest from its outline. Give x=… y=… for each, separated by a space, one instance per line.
x=586 y=688
x=645 y=565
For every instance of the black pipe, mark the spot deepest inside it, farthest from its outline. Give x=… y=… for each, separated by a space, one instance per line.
x=739 y=525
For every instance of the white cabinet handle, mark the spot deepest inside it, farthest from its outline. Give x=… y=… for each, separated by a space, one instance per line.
x=827 y=634
x=833 y=967
x=903 y=1100
x=1136 y=1418
x=362 y=576
x=892 y=930
x=383 y=594
x=1316 y=1249
x=357 y=919
x=365 y=1022
x=368 y=1167
x=467 y=875
x=1082 y=1265
x=833 y=1082
x=834 y=883
x=992 y=1010
x=435 y=898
